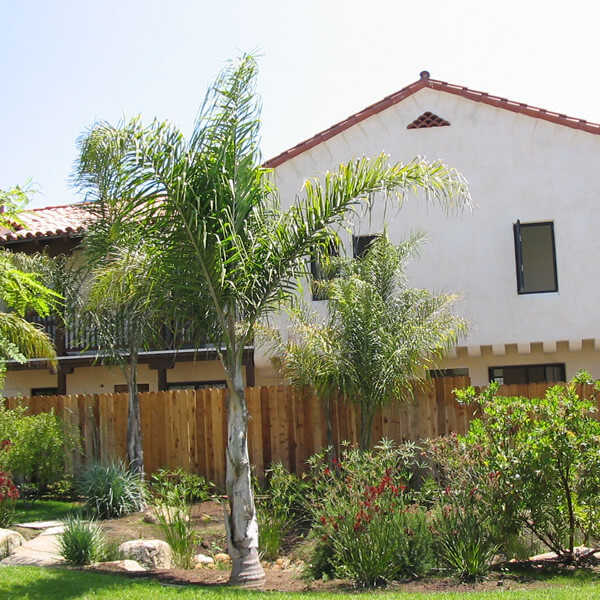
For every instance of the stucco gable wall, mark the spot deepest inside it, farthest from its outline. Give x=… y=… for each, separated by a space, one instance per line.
x=518 y=167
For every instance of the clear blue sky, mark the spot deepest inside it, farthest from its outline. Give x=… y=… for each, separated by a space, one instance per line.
x=65 y=64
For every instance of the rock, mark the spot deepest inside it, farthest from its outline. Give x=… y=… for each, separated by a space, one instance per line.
x=131 y=566
x=222 y=557
x=153 y=554
x=152 y=514
x=201 y=559
x=39 y=524
x=9 y=540
x=545 y=556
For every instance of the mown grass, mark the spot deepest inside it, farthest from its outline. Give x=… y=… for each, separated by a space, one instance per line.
x=44 y=510
x=32 y=583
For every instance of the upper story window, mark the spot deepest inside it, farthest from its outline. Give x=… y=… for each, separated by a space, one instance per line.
x=536 y=257
x=361 y=243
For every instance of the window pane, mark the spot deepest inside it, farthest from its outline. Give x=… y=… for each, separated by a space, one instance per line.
x=538 y=260
x=361 y=243
x=523 y=374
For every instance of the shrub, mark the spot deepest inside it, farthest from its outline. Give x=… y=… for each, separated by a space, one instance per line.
x=111 y=490
x=174 y=519
x=272 y=527
x=365 y=511
x=287 y=494
x=82 y=542
x=8 y=499
x=193 y=488
x=536 y=465
x=36 y=456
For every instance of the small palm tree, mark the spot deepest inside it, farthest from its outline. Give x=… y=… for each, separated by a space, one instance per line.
x=21 y=292
x=380 y=338
x=226 y=253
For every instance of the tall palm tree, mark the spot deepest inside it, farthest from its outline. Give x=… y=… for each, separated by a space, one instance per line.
x=228 y=254
x=21 y=292
x=380 y=338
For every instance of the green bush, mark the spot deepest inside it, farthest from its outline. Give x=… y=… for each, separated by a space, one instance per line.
x=366 y=512
x=191 y=487
x=111 y=489
x=535 y=464
x=287 y=493
x=82 y=542
x=38 y=445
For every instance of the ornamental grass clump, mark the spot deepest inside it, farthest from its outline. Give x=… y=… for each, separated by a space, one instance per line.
x=82 y=542
x=111 y=490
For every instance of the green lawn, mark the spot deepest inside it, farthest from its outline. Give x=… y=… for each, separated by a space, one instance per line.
x=31 y=583
x=44 y=510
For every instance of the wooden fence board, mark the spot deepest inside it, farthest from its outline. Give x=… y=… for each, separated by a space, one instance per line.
x=188 y=429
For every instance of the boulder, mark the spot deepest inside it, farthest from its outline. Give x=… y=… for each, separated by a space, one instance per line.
x=130 y=566
x=152 y=554
x=201 y=560
x=152 y=514
x=9 y=540
x=222 y=557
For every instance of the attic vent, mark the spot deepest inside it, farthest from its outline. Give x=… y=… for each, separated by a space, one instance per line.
x=428 y=119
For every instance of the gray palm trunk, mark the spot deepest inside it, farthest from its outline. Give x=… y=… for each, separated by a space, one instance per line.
x=240 y=522
x=135 y=449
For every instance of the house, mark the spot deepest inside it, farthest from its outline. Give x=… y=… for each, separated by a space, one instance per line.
x=522 y=261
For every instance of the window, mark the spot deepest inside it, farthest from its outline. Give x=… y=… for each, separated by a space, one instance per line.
x=536 y=258
x=518 y=374
x=196 y=385
x=440 y=373
x=322 y=272
x=123 y=388
x=49 y=391
x=361 y=243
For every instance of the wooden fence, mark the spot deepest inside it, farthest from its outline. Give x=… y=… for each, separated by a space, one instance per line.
x=187 y=428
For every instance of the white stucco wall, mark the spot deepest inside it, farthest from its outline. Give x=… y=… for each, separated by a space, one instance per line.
x=518 y=167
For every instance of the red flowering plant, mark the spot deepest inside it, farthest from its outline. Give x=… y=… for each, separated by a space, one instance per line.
x=366 y=514
x=8 y=491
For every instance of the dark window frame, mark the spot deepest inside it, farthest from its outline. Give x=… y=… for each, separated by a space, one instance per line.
x=355 y=242
x=517 y=228
x=561 y=366
x=441 y=373
x=124 y=387
x=195 y=385
x=44 y=391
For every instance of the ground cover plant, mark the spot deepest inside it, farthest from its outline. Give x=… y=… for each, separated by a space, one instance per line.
x=82 y=541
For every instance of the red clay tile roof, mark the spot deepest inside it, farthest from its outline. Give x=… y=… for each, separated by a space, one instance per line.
x=49 y=221
x=434 y=84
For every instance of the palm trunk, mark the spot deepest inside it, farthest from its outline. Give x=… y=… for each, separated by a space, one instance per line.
x=135 y=450
x=366 y=427
x=240 y=521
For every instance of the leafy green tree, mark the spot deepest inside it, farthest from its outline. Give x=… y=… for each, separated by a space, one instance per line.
x=226 y=253
x=380 y=337
x=21 y=292
x=535 y=462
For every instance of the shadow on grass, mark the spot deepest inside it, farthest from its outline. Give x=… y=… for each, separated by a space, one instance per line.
x=541 y=571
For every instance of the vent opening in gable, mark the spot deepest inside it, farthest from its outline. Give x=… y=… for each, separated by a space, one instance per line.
x=428 y=119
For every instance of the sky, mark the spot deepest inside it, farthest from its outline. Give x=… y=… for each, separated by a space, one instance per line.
x=66 y=64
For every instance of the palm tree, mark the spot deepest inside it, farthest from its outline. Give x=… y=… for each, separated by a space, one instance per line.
x=228 y=253
x=21 y=292
x=380 y=338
